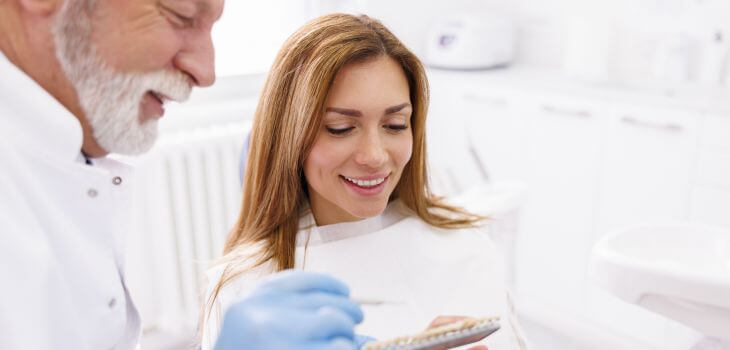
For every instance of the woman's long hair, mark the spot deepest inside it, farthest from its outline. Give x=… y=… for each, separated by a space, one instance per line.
x=287 y=120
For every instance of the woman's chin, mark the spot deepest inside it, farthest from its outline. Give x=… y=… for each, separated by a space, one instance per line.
x=369 y=211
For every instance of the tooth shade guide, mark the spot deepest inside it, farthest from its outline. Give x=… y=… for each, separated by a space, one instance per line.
x=441 y=338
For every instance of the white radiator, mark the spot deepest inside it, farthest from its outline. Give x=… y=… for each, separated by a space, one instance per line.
x=187 y=198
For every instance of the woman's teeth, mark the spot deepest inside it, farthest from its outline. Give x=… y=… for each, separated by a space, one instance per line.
x=365 y=183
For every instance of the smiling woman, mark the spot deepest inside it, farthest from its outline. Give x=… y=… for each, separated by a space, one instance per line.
x=359 y=155
x=336 y=182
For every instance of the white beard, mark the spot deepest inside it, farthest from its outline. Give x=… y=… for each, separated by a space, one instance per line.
x=110 y=100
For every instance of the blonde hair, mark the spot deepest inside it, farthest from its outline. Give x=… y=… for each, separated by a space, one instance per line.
x=286 y=124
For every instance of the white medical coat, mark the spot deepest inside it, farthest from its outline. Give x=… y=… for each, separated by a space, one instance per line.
x=418 y=271
x=61 y=227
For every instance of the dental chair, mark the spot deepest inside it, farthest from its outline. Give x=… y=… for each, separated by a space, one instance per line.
x=678 y=270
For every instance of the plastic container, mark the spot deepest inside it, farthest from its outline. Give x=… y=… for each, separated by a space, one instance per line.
x=713 y=68
x=673 y=59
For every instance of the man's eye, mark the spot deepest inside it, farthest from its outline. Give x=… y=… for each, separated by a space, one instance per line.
x=180 y=20
x=339 y=131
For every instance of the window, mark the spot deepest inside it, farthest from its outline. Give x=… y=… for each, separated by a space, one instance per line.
x=250 y=33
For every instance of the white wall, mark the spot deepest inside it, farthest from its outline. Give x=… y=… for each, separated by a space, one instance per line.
x=411 y=19
x=250 y=33
x=617 y=40
x=630 y=41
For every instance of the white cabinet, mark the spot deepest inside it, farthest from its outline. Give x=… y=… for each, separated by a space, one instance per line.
x=646 y=172
x=711 y=205
x=453 y=164
x=562 y=155
x=647 y=165
x=593 y=162
x=716 y=133
x=710 y=197
x=496 y=121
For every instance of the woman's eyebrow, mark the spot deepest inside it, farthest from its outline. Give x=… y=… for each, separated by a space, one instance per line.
x=356 y=113
x=344 y=111
x=396 y=109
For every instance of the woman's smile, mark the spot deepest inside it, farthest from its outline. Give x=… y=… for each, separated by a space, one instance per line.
x=366 y=186
x=364 y=144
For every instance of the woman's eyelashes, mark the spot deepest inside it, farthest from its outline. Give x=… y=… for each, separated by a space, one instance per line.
x=340 y=131
x=396 y=127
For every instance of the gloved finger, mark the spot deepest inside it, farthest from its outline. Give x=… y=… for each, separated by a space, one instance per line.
x=301 y=281
x=317 y=300
x=329 y=323
x=361 y=340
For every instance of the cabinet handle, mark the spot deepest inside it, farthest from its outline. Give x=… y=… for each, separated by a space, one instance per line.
x=666 y=127
x=577 y=113
x=494 y=101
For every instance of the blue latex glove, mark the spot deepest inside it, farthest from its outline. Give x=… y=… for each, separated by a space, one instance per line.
x=293 y=310
x=361 y=340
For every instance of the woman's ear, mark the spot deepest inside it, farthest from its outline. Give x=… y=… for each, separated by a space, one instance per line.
x=41 y=8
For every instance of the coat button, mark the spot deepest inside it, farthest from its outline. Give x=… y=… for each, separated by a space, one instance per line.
x=92 y=193
x=112 y=303
x=117 y=180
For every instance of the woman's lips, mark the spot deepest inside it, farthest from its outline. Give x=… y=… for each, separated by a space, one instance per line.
x=366 y=190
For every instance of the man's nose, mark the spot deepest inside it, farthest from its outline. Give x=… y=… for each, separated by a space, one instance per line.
x=371 y=151
x=197 y=59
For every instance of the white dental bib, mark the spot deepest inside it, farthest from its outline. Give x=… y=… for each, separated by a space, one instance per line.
x=408 y=272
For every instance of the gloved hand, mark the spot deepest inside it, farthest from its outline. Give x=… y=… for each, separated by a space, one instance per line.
x=293 y=310
x=361 y=340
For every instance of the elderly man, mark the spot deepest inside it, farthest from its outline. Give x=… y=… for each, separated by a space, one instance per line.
x=80 y=79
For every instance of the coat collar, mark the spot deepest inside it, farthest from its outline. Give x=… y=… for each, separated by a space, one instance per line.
x=35 y=117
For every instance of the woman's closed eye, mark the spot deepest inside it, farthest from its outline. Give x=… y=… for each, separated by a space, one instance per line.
x=396 y=127
x=339 y=130
x=344 y=130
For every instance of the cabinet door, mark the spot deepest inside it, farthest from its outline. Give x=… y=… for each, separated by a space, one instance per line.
x=711 y=205
x=556 y=230
x=497 y=132
x=496 y=136
x=710 y=202
x=645 y=174
x=453 y=166
x=647 y=167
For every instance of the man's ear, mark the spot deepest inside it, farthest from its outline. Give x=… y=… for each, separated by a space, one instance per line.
x=41 y=7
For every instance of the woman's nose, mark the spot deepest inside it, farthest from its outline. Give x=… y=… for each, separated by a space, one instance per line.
x=371 y=151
